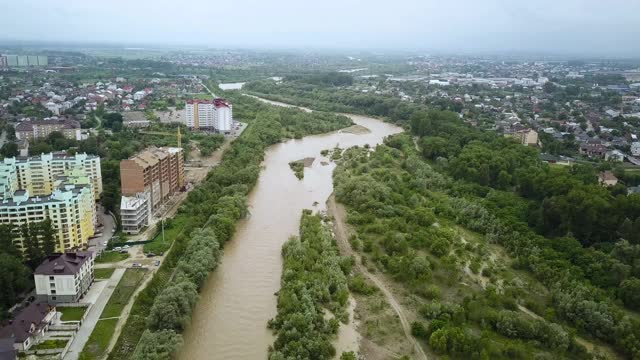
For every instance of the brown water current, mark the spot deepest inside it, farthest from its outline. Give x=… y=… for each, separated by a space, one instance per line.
x=230 y=319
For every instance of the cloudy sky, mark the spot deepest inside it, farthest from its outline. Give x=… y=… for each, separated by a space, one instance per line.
x=604 y=27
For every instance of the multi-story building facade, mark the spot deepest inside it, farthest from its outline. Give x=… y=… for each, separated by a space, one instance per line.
x=25 y=60
x=37 y=174
x=214 y=114
x=527 y=137
x=58 y=187
x=223 y=115
x=153 y=174
x=135 y=212
x=64 y=277
x=71 y=209
x=635 y=148
x=37 y=129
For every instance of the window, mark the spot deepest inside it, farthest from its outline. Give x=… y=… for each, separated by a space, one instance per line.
x=50 y=278
x=53 y=298
x=53 y=292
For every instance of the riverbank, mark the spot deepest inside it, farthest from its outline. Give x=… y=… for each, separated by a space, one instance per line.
x=378 y=344
x=237 y=301
x=218 y=203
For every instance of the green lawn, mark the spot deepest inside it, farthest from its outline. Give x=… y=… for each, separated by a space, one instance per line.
x=171 y=230
x=71 y=313
x=101 y=335
x=50 y=344
x=103 y=273
x=99 y=340
x=111 y=256
x=123 y=292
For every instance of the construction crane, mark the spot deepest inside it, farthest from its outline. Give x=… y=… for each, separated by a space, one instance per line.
x=178 y=135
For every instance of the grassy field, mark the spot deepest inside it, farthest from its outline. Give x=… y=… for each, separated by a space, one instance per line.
x=171 y=230
x=103 y=273
x=123 y=292
x=50 y=344
x=101 y=335
x=110 y=257
x=99 y=340
x=71 y=313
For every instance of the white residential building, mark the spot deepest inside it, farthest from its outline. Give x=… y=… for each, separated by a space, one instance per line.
x=139 y=95
x=64 y=277
x=209 y=114
x=135 y=212
x=635 y=148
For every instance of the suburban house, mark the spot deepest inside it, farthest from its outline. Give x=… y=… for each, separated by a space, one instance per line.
x=527 y=137
x=28 y=325
x=64 y=277
x=593 y=149
x=606 y=178
x=614 y=155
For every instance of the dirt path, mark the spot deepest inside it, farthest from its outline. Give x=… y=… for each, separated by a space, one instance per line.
x=342 y=236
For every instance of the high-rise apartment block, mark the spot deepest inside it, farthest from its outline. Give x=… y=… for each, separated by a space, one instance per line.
x=37 y=174
x=214 y=114
x=148 y=179
x=58 y=187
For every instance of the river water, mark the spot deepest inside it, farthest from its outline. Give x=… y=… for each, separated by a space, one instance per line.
x=230 y=319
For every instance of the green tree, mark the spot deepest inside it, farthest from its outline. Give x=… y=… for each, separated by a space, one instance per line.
x=48 y=237
x=9 y=149
x=161 y=345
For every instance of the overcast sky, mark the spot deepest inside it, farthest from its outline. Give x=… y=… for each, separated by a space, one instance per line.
x=605 y=27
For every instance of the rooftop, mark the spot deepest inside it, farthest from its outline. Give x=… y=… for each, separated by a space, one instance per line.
x=19 y=329
x=63 y=264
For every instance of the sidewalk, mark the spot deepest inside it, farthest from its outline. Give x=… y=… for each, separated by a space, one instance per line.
x=92 y=317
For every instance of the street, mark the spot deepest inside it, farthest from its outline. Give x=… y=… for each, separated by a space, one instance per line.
x=96 y=244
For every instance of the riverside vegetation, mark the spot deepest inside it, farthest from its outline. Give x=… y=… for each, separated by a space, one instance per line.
x=572 y=246
x=163 y=308
x=314 y=281
x=430 y=219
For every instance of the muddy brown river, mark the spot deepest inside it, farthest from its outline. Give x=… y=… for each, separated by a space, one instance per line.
x=229 y=321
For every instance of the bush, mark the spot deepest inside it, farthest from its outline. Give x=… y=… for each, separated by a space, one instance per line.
x=162 y=345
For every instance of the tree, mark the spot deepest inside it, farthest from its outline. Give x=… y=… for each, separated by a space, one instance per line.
x=9 y=149
x=629 y=292
x=172 y=308
x=161 y=345
x=48 y=237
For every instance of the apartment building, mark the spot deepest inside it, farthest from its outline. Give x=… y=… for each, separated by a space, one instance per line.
x=64 y=277
x=37 y=174
x=214 y=114
x=527 y=137
x=153 y=174
x=135 y=212
x=37 y=129
x=70 y=207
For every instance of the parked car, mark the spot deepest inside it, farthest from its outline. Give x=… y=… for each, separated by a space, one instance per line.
x=151 y=254
x=136 y=265
x=117 y=248
x=156 y=263
x=105 y=243
x=126 y=247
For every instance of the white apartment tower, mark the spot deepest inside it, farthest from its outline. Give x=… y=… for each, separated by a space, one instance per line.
x=209 y=114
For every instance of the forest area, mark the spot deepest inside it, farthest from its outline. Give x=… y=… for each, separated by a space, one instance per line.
x=571 y=245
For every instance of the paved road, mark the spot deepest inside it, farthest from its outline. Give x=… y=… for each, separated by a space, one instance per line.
x=93 y=316
x=96 y=244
